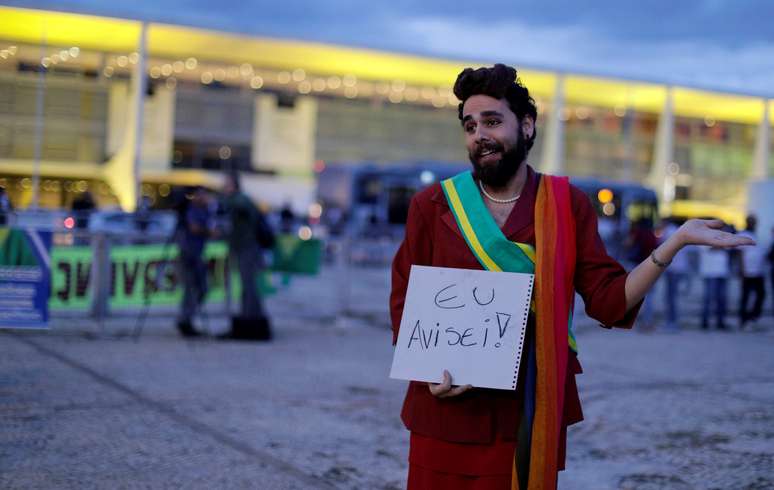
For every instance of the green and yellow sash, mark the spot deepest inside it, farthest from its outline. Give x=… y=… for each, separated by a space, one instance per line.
x=553 y=265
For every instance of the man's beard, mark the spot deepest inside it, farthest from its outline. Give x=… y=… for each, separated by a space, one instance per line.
x=499 y=174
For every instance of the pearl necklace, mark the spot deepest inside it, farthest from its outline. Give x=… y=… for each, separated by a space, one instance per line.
x=494 y=199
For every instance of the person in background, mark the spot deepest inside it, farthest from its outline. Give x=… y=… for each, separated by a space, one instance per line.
x=640 y=243
x=287 y=218
x=753 y=273
x=82 y=207
x=674 y=276
x=770 y=257
x=714 y=269
x=248 y=231
x=193 y=232
x=5 y=207
x=142 y=215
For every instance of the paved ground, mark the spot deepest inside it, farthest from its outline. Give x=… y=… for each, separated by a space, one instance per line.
x=314 y=408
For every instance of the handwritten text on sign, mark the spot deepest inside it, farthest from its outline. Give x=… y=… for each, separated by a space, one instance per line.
x=469 y=322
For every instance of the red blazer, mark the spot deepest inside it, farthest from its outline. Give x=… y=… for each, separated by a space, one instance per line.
x=433 y=238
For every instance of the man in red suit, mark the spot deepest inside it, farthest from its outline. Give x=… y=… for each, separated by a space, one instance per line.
x=474 y=438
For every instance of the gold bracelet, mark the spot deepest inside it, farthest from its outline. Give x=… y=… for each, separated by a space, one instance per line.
x=663 y=265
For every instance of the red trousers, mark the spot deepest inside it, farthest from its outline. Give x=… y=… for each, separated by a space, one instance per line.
x=436 y=464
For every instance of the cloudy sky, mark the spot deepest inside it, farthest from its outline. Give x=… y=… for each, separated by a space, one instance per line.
x=717 y=44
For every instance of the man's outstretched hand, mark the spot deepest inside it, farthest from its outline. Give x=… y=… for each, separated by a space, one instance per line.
x=708 y=232
x=445 y=389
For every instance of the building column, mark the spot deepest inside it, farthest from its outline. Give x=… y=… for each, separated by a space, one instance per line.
x=660 y=177
x=760 y=170
x=122 y=171
x=553 y=147
x=140 y=86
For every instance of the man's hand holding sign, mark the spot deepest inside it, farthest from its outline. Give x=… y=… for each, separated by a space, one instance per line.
x=467 y=322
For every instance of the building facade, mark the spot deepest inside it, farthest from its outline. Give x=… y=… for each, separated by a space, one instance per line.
x=209 y=102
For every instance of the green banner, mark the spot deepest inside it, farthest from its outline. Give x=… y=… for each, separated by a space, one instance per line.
x=149 y=273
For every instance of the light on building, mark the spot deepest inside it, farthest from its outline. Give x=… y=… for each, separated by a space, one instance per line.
x=178 y=66
x=171 y=83
x=164 y=190
x=4 y=54
x=608 y=209
x=108 y=71
x=709 y=121
x=396 y=97
x=334 y=82
x=350 y=92
x=55 y=58
x=220 y=74
x=428 y=93
x=318 y=84
x=134 y=58
x=620 y=111
x=582 y=113
x=69 y=223
x=304 y=87
x=299 y=74
x=46 y=62
x=349 y=80
x=605 y=195
x=382 y=88
x=246 y=69
x=399 y=85
x=155 y=72
x=224 y=152
x=191 y=63
x=12 y=50
x=122 y=61
x=283 y=77
x=256 y=82
x=233 y=71
x=64 y=55
x=206 y=78
x=305 y=233
x=75 y=51
x=166 y=69
x=439 y=101
x=673 y=168
x=411 y=94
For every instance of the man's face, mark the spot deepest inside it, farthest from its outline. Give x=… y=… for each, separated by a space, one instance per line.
x=494 y=138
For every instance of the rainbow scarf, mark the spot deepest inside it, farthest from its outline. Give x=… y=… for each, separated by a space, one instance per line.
x=537 y=460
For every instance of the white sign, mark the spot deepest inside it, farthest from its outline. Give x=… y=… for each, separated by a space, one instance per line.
x=468 y=322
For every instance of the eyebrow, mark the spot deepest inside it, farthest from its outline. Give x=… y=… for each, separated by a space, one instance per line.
x=483 y=114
